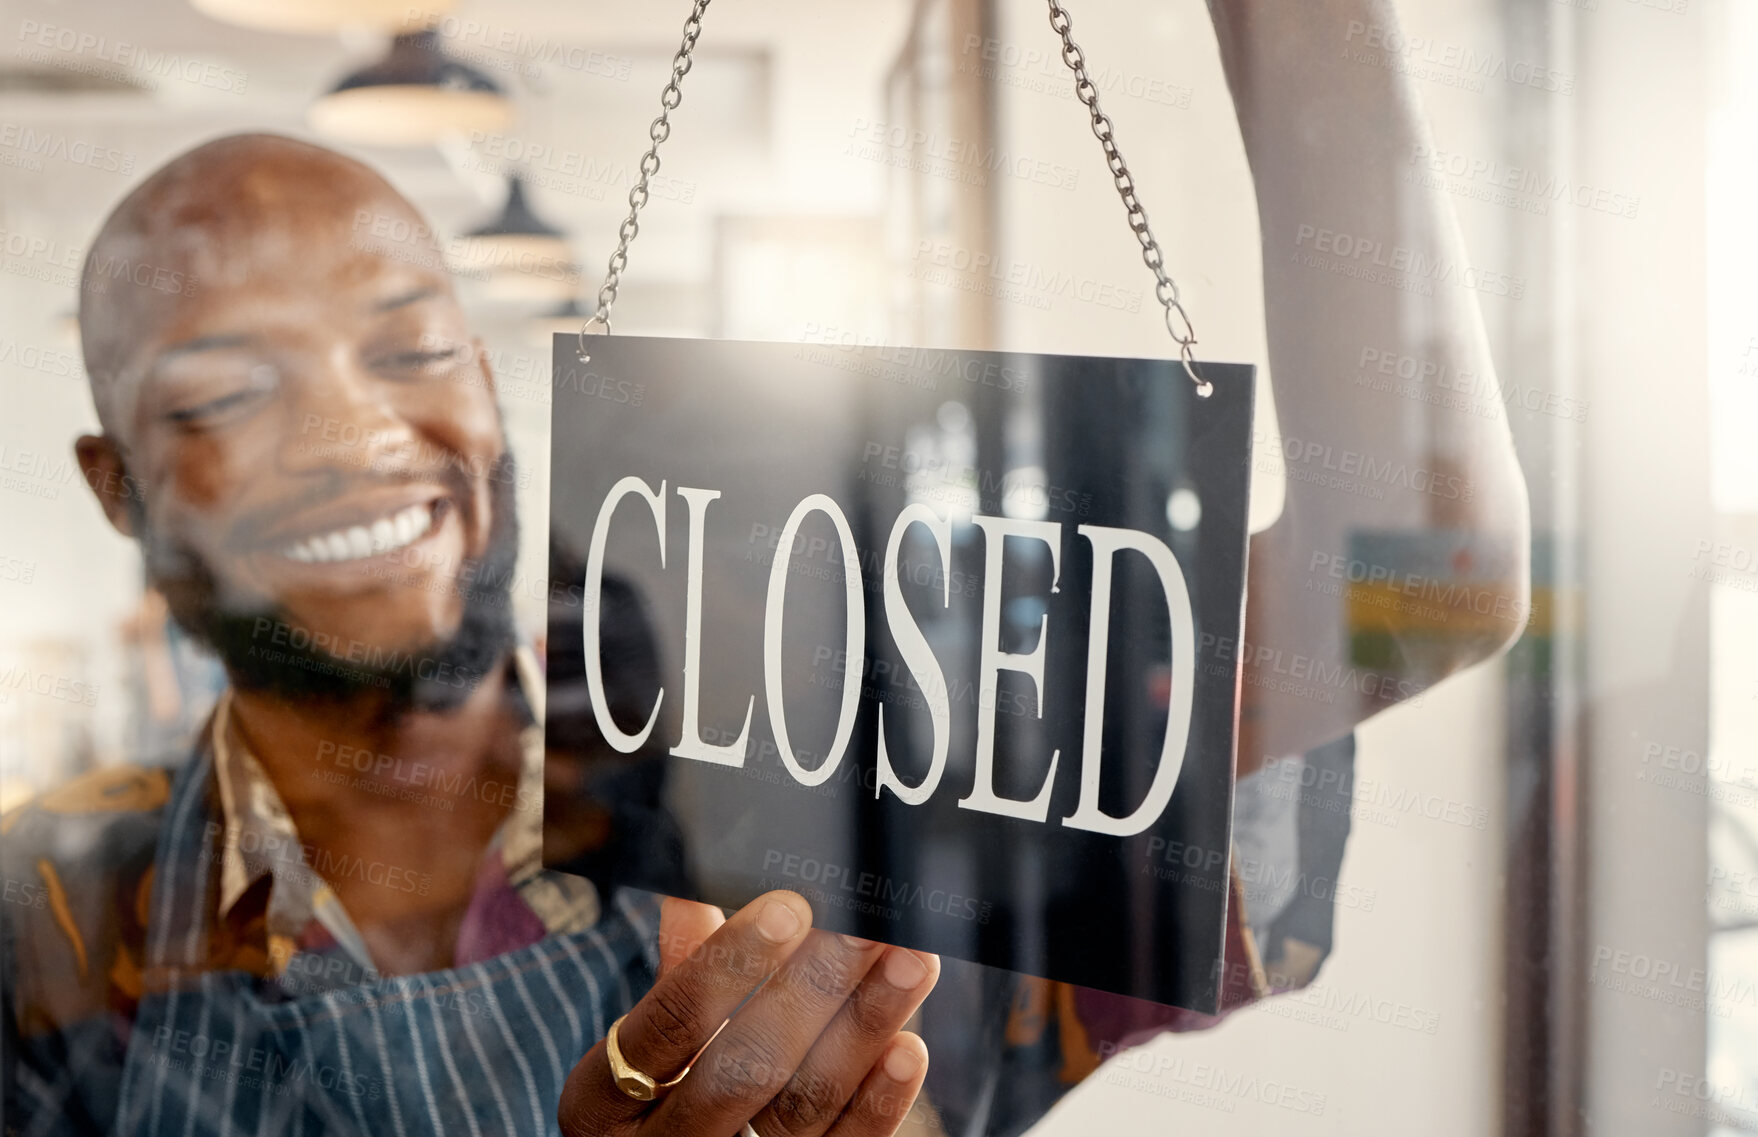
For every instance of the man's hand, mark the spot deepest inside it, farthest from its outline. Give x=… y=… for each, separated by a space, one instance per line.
x=818 y=1050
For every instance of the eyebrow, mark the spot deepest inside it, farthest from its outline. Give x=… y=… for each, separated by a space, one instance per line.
x=403 y=300
x=202 y=343
x=222 y=342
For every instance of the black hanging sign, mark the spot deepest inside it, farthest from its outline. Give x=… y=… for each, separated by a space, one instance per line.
x=935 y=638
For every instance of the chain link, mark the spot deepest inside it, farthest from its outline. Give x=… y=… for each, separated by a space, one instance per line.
x=1165 y=288
x=657 y=133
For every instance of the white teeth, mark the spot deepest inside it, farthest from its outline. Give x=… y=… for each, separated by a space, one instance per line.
x=357 y=541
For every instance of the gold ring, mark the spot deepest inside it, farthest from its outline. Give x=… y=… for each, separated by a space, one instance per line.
x=630 y=1080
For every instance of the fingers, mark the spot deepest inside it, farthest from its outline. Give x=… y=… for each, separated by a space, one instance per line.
x=672 y=1023
x=860 y=1037
x=885 y=1097
x=759 y=1051
x=683 y=926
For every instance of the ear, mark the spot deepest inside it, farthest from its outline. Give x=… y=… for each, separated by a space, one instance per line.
x=107 y=474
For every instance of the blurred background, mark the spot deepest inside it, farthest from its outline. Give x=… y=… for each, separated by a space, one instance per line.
x=1582 y=956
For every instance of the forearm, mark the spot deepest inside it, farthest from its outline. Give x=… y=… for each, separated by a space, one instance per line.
x=1330 y=133
x=1330 y=140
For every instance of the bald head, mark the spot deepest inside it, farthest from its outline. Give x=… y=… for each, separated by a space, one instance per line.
x=208 y=221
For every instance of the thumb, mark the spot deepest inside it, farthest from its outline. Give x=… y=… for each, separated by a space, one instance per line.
x=683 y=925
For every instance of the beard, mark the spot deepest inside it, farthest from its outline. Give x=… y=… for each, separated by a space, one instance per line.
x=434 y=676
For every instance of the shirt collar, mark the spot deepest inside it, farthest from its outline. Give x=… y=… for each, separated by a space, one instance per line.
x=260 y=839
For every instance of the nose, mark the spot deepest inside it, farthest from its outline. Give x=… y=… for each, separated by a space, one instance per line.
x=344 y=418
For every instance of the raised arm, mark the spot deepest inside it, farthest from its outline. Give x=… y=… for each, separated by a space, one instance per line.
x=1391 y=418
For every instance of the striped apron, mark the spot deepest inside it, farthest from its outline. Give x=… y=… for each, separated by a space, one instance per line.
x=479 y=1050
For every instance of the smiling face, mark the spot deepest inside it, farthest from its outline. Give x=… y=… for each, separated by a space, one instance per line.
x=298 y=425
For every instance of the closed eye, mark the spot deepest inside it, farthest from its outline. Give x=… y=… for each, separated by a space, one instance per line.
x=420 y=357
x=207 y=412
x=414 y=361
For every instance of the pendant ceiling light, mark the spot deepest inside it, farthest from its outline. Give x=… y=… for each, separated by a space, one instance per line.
x=563 y=320
x=414 y=96
x=320 y=17
x=520 y=256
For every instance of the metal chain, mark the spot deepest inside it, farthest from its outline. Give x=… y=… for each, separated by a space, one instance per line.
x=658 y=132
x=1165 y=288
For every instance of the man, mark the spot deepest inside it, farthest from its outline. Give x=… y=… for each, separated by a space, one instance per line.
x=289 y=936
x=335 y=918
